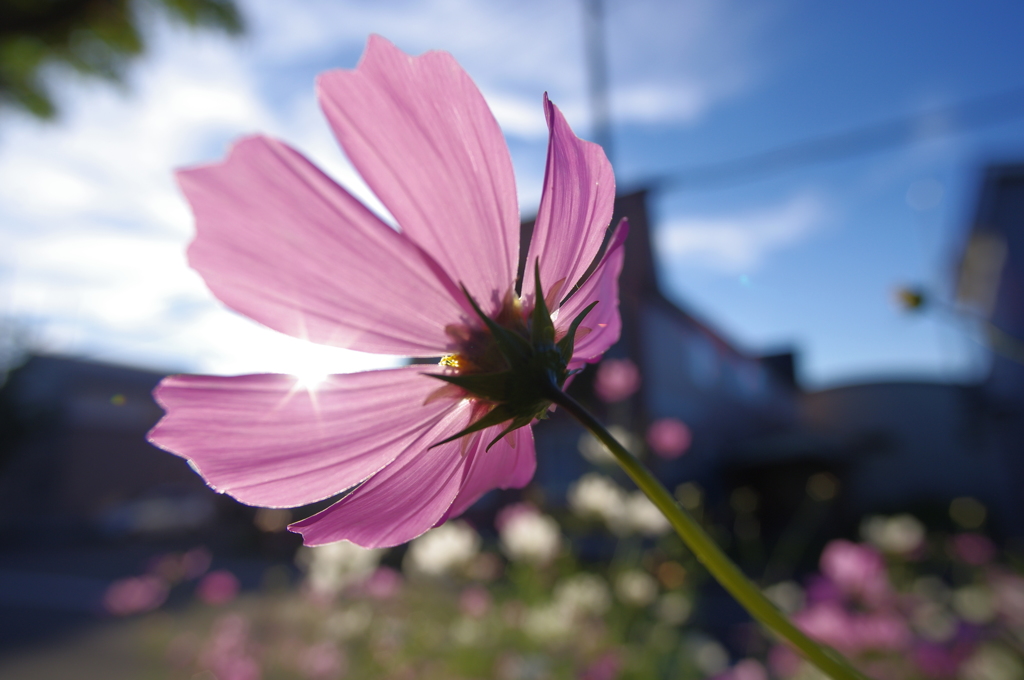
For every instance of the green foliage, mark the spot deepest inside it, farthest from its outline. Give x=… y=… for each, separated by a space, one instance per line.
x=96 y=38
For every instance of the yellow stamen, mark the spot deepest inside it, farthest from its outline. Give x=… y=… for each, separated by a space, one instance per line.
x=450 y=360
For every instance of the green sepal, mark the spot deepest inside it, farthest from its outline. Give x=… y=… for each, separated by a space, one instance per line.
x=567 y=344
x=498 y=414
x=511 y=345
x=513 y=426
x=491 y=386
x=542 y=331
x=536 y=365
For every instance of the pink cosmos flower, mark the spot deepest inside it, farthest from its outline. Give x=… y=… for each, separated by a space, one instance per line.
x=475 y=601
x=281 y=242
x=973 y=548
x=218 y=587
x=669 y=438
x=859 y=570
x=616 y=379
x=135 y=595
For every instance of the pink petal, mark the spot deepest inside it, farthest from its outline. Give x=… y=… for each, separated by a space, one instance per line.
x=575 y=208
x=282 y=243
x=423 y=138
x=503 y=467
x=405 y=498
x=603 y=320
x=267 y=441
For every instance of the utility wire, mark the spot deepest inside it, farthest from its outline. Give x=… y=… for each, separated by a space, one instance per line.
x=967 y=115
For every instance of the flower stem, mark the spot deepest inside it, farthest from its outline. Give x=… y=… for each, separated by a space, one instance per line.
x=707 y=551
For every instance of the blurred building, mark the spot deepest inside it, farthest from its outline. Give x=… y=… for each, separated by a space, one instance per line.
x=688 y=373
x=990 y=287
x=74 y=460
x=85 y=499
x=839 y=453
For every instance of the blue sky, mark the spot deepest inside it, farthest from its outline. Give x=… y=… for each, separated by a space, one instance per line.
x=805 y=258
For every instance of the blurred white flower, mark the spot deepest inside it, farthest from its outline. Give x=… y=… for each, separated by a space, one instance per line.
x=466 y=632
x=597 y=496
x=931 y=588
x=583 y=594
x=992 y=662
x=898 y=535
x=975 y=603
x=933 y=622
x=636 y=588
x=598 y=454
x=527 y=535
x=787 y=596
x=548 y=623
x=673 y=608
x=709 y=656
x=575 y=598
x=444 y=549
x=349 y=623
x=644 y=517
x=333 y=567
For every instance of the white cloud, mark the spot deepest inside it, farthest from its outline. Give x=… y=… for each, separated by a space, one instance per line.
x=738 y=244
x=521 y=116
x=97 y=229
x=654 y=103
x=669 y=61
x=110 y=158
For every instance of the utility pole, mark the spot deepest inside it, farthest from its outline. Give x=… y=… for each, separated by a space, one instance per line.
x=597 y=73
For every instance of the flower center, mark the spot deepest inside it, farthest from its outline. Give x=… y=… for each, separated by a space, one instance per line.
x=479 y=350
x=513 y=364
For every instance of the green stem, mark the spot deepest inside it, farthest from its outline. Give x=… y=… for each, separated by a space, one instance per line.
x=707 y=551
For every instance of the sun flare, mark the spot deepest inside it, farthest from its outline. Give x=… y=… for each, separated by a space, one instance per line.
x=310 y=379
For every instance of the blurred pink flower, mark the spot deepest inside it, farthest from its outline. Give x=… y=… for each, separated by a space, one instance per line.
x=829 y=623
x=167 y=567
x=881 y=631
x=852 y=632
x=323 y=661
x=218 y=587
x=973 y=548
x=822 y=589
x=475 y=601
x=616 y=379
x=605 y=667
x=135 y=595
x=747 y=669
x=383 y=584
x=227 y=653
x=938 y=661
x=195 y=562
x=280 y=242
x=857 y=569
x=1009 y=596
x=509 y=513
x=783 y=661
x=669 y=438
